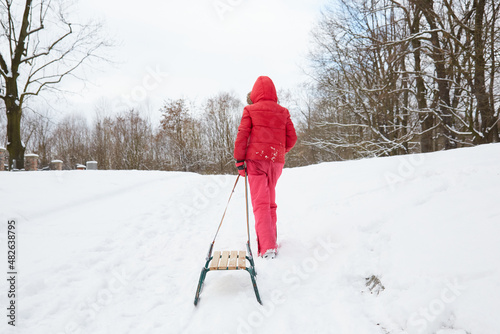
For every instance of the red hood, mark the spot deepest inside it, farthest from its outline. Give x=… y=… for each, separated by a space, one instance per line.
x=263 y=89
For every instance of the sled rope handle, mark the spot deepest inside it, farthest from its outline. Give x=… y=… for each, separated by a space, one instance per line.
x=224 y=214
x=246 y=200
x=227 y=205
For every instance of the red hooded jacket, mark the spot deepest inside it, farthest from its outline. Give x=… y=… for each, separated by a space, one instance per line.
x=266 y=131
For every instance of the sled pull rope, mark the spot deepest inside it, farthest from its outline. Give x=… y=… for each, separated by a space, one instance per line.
x=246 y=200
x=227 y=205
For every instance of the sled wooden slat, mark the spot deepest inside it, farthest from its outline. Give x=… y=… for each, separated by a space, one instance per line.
x=223 y=260
x=228 y=260
x=241 y=259
x=214 y=265
x=233 y=260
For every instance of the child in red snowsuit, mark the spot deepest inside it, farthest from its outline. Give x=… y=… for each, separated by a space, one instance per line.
x=266 y=133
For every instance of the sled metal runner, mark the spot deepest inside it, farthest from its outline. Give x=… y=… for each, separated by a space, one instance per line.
x=230 y=260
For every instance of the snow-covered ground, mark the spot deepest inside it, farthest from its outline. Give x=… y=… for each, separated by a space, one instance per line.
x=121 y=251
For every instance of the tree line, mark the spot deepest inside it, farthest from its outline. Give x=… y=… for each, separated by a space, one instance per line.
x=404 y=76
x=187 y=138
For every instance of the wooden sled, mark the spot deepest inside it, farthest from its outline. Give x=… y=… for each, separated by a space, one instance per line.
x=229 y=260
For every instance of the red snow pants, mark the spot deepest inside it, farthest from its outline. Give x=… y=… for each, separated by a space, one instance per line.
x=263 y=176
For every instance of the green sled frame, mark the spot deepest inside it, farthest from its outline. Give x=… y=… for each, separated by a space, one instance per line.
x=249 y=267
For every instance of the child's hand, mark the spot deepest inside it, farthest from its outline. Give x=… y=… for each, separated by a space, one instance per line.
x=240 y=165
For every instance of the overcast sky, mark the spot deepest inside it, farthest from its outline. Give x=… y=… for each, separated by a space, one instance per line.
x=194 y=49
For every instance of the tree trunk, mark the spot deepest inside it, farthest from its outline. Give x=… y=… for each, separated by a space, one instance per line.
x=403 y=114
x=482 y=98
x=438 y=56
x=15 y=146
x=493 y=70
x=426 y=118
x=13 y=108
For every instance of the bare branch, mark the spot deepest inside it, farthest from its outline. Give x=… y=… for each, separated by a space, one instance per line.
x=20 y=45
x=49 y=80
x=4 y=70
x=50 y=47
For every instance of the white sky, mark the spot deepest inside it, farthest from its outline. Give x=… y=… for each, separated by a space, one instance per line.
x=173 y=49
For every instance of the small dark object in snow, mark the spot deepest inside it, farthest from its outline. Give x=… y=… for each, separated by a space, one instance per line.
x=374 y=285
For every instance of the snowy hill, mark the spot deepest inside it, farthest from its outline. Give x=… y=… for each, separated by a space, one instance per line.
x=121 y=251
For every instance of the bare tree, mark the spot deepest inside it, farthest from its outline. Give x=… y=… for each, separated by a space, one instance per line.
x=485 y=107
x=222 y=114
x=40 y=45
x=183 y=136
x=101 y=141
x=71 y=138
x=37 y=135
x=133 y=137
